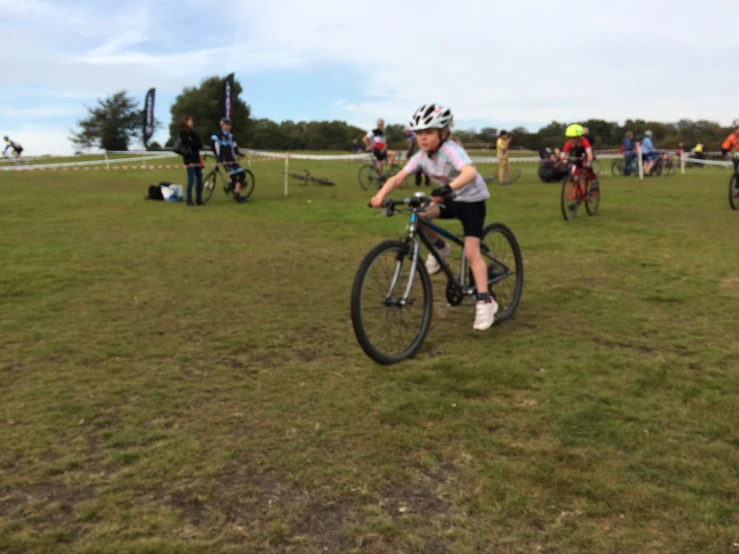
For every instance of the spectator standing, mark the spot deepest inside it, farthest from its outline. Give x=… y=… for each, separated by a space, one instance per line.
x=192 y=144
x=629 y=150
x=502 y=146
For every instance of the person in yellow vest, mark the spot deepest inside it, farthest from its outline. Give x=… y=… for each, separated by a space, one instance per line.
x=502 y=145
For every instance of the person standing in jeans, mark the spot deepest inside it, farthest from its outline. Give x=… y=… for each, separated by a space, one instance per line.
x=502 y=147
x=191 y=140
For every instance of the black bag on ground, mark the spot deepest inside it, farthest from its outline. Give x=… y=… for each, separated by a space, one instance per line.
x=155 y=191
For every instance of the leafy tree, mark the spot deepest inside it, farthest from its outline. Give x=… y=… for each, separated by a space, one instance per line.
x=110 y=125
x=204 y=104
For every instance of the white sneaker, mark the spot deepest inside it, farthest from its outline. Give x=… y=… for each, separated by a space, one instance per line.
x=431 y=264
x=485 y=315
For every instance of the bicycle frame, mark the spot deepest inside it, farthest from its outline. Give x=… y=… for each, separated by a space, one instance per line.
x=576 y=174
x=416 y=226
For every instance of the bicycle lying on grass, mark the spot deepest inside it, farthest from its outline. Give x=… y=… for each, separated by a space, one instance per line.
x=308 y=178
x=513 y=176
x=209 y=182
x=391 y=299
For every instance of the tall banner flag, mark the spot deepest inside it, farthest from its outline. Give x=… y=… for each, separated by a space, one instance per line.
x=149 y=116
x=227 y=101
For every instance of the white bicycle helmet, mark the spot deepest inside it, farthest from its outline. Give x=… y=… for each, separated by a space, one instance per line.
x=735 y=124
x=647 y=133
x=430 y=116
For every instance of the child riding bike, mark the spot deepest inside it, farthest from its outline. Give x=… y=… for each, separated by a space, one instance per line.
x=462 y=195
x=579 y=147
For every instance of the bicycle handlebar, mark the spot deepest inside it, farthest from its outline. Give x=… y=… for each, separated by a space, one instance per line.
x=418 y=200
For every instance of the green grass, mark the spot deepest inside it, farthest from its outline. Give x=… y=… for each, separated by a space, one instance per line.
x=187 y=380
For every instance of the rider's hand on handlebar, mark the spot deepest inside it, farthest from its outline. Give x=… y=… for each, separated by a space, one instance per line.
x=440 y=194
x=376 y=201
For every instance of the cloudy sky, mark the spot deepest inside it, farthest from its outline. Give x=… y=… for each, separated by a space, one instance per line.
x=519 y=62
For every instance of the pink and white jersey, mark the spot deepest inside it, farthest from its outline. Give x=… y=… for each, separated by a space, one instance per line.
x=445 y=166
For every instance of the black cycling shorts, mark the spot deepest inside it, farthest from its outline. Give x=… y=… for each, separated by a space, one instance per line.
x=471 y=214
x=380 y=155
x=236 y=175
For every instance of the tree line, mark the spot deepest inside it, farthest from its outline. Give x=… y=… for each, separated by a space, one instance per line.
x=116 y=122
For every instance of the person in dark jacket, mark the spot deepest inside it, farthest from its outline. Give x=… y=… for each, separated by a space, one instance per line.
x=191 y=141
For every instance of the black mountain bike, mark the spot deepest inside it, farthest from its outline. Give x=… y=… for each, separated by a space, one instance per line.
x=370 y=177
x=391 y=301
x=209 y=182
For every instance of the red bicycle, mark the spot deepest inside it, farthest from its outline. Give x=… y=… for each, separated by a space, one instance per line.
x=581 y=186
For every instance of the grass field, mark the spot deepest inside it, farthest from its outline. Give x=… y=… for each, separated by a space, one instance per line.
x=187 y=380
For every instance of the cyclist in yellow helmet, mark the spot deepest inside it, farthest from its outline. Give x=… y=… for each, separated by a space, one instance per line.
x=577 y=146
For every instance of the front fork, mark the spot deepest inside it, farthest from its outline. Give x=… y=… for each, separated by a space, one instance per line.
x=400 y=259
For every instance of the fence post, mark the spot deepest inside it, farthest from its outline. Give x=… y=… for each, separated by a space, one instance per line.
x=641 y=163
x=107 y=164
x=682 y=162
x=287 y=157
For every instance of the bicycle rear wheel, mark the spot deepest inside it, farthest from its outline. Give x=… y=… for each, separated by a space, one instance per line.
x=592 y=197
x=734 y=192
x=388 y=330
x=248 y=187
x=502 y=254
x=209 y=185
x=570 y=199
x=368 y=177
x=669 y=168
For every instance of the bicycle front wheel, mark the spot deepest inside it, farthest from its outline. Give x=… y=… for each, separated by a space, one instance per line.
x=391 y=303
x=617 y=168
x=209 y=185
x=502 y=254
x=570 y=199
x=734 y=192
x=595 y=166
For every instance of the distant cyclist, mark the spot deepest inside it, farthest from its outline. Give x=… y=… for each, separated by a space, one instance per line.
x=731 y=146
x=15 y=148
x=648 y=152
x=376 y=142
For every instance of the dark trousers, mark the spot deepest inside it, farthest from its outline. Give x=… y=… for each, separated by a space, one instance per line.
x=195 y=174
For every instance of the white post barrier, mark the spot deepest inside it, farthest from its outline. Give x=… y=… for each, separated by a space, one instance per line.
x=682 y=163
x=107 y=163
x=641 y=163
x=287 y=158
